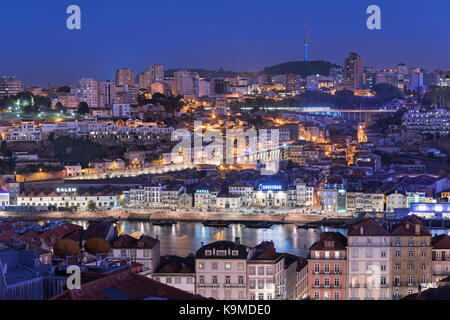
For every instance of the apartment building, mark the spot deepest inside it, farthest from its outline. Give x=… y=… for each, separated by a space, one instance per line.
x=147 y=196
x=368 y=261
x=67 y=197
x=296 y=275
x=221 y=270
x=440 y=257
x=145 y=250
x=177 y=272
x=327 y=267
x=266 y=280
x=395 y=200
x=24 y=131
x=364 y=202
x=411 y=257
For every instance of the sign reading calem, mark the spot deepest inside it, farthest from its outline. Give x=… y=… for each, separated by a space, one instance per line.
x=66 y=190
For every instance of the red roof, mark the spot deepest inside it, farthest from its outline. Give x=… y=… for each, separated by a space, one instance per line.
x=339 y=241
x=407 y=227
x=441 y=242
x=58 y=232
x=126 y=285
x=368 y=227
x=127 y=241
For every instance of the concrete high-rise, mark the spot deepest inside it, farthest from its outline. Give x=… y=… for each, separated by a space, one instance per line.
x=156 y=73
x=107 y=93
x=353 y=72
x=183 y=83
x=10 y=86
x=89 y=92
x=124 y=76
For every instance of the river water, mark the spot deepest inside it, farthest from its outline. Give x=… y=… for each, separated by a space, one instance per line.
x=185 y=237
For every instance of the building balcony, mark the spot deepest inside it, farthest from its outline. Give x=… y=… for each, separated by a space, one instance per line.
x=234 y=285
x=208 y=285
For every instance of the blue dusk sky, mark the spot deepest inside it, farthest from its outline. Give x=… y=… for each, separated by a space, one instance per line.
x=244 y=35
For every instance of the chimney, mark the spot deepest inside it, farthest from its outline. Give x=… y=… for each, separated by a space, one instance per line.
x=237 y=240
x=202 y=244
x=361 y=230
x=417 y=229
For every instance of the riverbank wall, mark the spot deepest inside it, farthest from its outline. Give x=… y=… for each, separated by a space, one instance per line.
x=146 y=215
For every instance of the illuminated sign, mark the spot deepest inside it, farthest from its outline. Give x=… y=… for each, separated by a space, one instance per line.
x=430 y=207
x=66 y=190
x=268 y=187
x=202 y=191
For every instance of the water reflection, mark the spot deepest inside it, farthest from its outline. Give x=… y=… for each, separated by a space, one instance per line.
x=184 y=237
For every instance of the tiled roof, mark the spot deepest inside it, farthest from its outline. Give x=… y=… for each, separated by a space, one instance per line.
x=222 y=245
x=407 y=227
x=97 y=229
x=339 y=241
x=126 y=285
x=290 y=258
x=176 y=264
x=441 y=242
x=439 y=293
x=127 y=241
x=368 y=227
x=266 y=251
x=58 y=232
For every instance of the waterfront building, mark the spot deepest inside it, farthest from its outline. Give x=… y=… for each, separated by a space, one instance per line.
x=333 y=199
x=411 y=257
x=4 y=197
x=205 y=198
x=270 y=195
x=185 y=201
x=395 y=200
x=144 y=250
x=304 y=194
x=245 y=191
x=221 y=270
x=357 y=202
x=147 y=195
x=65 y=197
x=327 y=267
x=228 y=202
x=369 y=262
x=170 y=196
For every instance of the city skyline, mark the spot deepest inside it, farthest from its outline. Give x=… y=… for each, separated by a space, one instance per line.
x=100 y=47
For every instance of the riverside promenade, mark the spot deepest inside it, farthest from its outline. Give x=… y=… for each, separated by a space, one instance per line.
x=151 y=214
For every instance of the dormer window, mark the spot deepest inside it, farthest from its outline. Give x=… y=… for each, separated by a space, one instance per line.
x=329 y=244
x=221 y=252
x=234 y=252
x=207 y=252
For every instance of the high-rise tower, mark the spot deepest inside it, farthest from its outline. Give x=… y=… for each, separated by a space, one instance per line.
x=305 y=46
